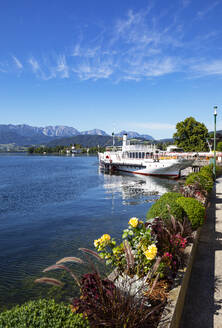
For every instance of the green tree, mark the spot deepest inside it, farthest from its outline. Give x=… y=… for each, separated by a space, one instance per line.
x=191 y=135
x=219 y=146
x=31 y=150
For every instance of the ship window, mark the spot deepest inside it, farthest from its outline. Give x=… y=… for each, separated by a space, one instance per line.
x=136 y=155
x=143 y=155
x=139 y=155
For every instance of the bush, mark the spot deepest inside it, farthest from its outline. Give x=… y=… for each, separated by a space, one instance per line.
x=171 y=196
x=160 y=208
x=218 y=170
x=42 y=314
x=204 y=181
x=194 y=209
x=207 y=171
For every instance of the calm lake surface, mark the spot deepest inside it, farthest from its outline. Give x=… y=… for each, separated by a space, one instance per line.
x=52 y=205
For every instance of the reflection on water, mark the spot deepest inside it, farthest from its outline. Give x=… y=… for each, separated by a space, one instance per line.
x=135 y=188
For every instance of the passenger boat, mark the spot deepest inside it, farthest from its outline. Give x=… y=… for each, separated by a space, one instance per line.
x=144 y=160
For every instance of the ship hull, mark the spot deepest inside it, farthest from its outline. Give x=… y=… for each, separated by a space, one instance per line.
x=168 y=168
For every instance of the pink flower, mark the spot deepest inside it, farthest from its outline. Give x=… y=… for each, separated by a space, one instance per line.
x=167 y=254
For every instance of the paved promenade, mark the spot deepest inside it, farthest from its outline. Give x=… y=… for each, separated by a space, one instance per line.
x=203 y=304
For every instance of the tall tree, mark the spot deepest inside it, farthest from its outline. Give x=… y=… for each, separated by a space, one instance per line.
x=191 y=135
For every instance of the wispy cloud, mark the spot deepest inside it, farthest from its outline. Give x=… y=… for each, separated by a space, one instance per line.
x=62 y=67
x=134 y=51
x=34 y=64
x=152 y=68
x=42 y=71
x=202 y=13
x=208 y=68
x=17 y=62
x=144 y=44
x=93 y=70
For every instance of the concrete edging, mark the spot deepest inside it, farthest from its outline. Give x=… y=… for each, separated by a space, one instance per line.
x=172 y=312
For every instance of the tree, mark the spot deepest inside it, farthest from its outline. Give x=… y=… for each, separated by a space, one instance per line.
x=219 y=146
x=191 y=135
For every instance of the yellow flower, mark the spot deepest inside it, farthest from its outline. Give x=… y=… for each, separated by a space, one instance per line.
x=134 y=222
x=105 y=238
x=97 y=242
x=74 y=308
x=151 y=252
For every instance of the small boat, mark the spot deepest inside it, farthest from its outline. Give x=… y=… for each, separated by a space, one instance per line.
x=144 y=160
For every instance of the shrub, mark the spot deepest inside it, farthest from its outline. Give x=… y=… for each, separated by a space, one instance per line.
x=204 y=181
x=207 y=171
x=218 y=170
x=166 y=206
x=42 y=314
x=170 y=196
x=194 y=209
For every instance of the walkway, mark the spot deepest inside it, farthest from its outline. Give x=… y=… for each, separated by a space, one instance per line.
x=203 y=304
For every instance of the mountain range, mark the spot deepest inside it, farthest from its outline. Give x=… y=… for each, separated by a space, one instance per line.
x=26 y=135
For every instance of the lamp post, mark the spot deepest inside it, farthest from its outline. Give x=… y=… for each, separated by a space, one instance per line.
x=215 y=117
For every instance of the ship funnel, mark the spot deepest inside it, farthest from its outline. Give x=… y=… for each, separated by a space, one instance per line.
x=125 y=140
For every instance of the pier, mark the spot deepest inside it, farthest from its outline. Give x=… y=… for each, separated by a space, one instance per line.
x=196 y=166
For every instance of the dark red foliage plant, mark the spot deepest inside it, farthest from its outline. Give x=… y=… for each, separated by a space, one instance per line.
x=107 y=306
x=172 y=238
x=104 y=304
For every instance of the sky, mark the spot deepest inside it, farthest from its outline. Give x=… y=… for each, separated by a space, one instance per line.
x=130 y=65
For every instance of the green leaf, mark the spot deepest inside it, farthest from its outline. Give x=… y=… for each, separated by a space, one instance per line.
x=108 y=262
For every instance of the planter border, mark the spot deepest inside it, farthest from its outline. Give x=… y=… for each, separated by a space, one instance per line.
x=173 y=310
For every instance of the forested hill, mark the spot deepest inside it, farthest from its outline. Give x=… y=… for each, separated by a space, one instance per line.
x=86 y=141
x=7 y=137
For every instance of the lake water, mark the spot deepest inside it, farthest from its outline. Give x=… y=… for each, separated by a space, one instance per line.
x=52 y=205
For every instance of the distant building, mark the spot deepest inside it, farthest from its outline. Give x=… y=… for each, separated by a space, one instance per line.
x=75 y=151
x=174 y=149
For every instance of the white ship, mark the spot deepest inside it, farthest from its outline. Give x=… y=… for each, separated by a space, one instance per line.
x=144 y=160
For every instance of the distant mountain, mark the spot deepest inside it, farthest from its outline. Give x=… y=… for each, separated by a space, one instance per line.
x=166 y=140
x=86 y=141
x=146 y=136
x=217 y=132
x=95 y=132
x=25 y=135
x=50 y=131
x=133 y=134
x=7 y=137
x=59 y=131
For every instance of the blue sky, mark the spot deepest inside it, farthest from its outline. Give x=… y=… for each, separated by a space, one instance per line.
x=125 y=65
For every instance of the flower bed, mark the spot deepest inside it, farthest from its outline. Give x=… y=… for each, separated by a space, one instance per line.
x=148 y=263
x=175 y=301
